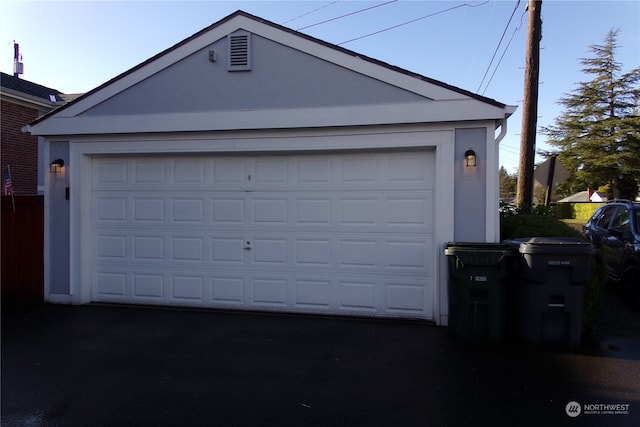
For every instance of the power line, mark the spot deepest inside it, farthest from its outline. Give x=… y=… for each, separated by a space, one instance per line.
x=412 y=21
x=504 y=52
x=310 y=12
x=498 y=46
x=347 y=14
x=510 y=150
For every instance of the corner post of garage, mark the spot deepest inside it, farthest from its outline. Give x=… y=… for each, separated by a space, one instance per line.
x=57 y=223
x=81 y=254
x=444 y=198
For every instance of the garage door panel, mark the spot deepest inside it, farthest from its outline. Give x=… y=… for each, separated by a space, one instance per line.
x=347 y=234
x=313 y=294
x=149 y=286
x=269 y=291
x=187 y=287
x=406 y=254
x=228 y=210
x=360 y=169
x=270 y=210
x=312 y=252
x=148 y=209
x=269 y=251
x=359 y=211
x=149 y=172
x=314 y=171
x=316 y=211
x=111 y=284
x=358 y=253
x=188 y=210
x=228 y=250
x=228 y=171
x=407 y=211
x=228 y=290
x=271 y=171
x=189 y=171
x=190 y=249
x=408 y=169
x=111 y=247
x=407 y=297
x=357 y=296
x=110 y=209
x=110 y=172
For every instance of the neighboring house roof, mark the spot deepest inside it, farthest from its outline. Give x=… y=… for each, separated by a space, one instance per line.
x=460 y=104
x=35 y=92
x=583 y=196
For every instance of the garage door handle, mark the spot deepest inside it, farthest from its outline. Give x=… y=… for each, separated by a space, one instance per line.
x=247 y=248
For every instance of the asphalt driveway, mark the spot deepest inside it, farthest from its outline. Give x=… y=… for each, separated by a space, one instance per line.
x=99 y=365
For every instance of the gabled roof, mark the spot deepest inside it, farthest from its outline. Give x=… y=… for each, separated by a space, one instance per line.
x=583 y=196
x=407 y=80
x=16 y=84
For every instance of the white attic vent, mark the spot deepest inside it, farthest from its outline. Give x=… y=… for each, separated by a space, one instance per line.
x=239 y=51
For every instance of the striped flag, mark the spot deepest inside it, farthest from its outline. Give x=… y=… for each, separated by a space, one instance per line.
x=7 y=187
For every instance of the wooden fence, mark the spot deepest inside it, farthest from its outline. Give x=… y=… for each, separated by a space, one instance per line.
x=22 y=274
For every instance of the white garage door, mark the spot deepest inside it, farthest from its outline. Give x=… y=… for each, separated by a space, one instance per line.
x=341 y=234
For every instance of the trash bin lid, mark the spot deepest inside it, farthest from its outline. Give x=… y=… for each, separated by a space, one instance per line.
x=478 y=253
x=552 y=245
x=452 y=247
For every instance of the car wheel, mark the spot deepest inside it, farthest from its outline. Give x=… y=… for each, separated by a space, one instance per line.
x=631 y=282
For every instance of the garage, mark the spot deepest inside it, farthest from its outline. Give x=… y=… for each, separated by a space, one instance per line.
x=305 y=178
x=339 y=234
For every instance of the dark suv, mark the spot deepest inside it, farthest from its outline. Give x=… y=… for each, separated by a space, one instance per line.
x=614 y=230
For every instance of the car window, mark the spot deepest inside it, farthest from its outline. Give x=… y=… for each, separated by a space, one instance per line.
x=605 y=218
x=621 y=220
x=637 y=220
x=597 y=215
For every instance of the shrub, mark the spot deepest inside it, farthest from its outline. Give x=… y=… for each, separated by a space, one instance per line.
x=534 y=225
x=566 y=211
x=584 y=211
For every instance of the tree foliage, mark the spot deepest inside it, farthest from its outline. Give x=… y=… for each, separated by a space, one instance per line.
x=508 y=184
x=598 y=134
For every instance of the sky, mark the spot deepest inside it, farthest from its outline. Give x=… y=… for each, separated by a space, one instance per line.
x=479 y=45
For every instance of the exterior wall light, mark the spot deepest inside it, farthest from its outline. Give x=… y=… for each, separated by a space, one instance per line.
x=470 y=160
x=56 y=166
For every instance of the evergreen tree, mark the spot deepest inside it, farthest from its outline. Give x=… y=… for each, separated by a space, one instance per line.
x=598 y=134
x=508 y=184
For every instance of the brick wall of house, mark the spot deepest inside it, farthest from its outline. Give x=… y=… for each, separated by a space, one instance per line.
x=19 y=150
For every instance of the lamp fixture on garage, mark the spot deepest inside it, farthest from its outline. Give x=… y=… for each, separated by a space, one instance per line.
x=470 y=159
x=56 y=166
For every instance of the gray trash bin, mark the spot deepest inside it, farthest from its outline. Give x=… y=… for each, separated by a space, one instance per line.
x=552 y=274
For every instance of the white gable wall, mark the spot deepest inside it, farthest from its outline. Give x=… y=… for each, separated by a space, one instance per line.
x=280 y=78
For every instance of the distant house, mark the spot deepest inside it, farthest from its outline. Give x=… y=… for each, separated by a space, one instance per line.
x=22 y=102
x=253 y=167
x=584 y=197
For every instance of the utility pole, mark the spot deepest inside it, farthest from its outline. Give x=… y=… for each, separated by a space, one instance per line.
x=552 y=169
x=530 y=107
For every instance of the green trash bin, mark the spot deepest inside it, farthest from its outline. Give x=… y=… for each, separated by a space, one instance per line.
x=477 y=285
